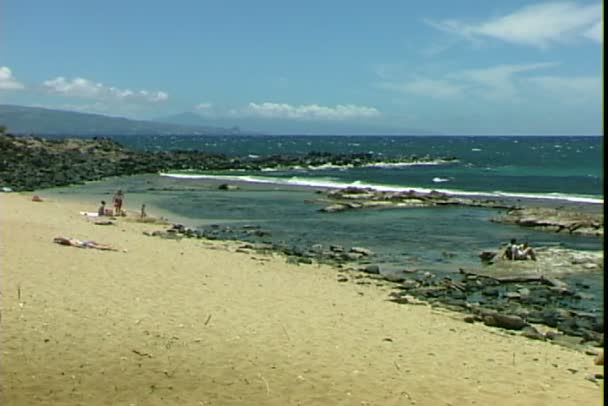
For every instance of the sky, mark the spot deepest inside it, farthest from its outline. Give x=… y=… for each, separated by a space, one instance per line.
x=473 y=67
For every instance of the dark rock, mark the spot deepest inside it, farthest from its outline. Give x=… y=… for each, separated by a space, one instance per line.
x=394 y=278
x=491 y=291
x=371 y=269
x=469 y=319
x=533 y=333
x=487 y=255
x=512 y=295
x=505 y=321
x=363 y=251
x=30 y=163
x=410 y=283
x=556 y=220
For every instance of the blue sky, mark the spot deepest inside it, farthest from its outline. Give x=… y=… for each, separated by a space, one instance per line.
x=451 y=67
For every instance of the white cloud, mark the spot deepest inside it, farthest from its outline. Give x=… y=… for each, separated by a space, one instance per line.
x=8 y=81
x=434 y=88
x=497 y=82
x=596 y=32
x=537 y=25
x=311 y=111
x=204 y=106
x=96 y=107
x=574 y=89
x=207 y=109
x=80 y=87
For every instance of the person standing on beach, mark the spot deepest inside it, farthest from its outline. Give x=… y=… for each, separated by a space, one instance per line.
x=117 y=200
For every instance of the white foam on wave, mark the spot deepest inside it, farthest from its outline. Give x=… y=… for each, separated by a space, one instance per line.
x=329 y=166
x=336 y=184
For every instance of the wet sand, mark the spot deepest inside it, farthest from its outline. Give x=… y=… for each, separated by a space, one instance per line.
x=196 y=322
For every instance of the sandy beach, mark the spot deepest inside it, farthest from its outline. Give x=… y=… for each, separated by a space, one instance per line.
x=197 y=322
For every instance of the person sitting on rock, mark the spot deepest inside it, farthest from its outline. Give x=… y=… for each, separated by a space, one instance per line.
x=511 y=251
x=526 y=252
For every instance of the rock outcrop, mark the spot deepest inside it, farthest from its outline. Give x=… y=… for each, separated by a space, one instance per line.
x=29 y=163
x=555 y=220
x=362 y=198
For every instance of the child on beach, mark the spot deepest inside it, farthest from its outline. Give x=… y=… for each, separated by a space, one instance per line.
x=102 y=209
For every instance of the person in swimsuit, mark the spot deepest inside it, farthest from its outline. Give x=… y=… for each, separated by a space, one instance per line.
x=117 y=200
x=83 y=244
x=102 y=209
x=511 y=250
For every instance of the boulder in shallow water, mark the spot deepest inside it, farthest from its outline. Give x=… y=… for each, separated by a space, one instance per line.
x=363 y=251
x=226 y=186
x=334 y=208
x=487 y=255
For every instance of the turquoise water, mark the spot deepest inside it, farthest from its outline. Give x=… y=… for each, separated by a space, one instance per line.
x=562 y=168
x=536 y=170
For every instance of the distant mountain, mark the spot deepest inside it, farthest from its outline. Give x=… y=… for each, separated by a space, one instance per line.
x=42 y=121
x=291 y=126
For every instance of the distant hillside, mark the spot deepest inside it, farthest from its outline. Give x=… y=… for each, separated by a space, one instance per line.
x=42 y=121
x=284 y=126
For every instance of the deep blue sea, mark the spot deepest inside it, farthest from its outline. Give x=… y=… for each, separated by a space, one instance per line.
x=540 y=170
x=563 y=168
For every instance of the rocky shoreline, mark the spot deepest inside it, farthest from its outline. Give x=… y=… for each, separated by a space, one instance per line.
x=516 y=296
x=557 y=220
x=362 y=198
x=524 y=297
x=31 y=163
x=562 y=220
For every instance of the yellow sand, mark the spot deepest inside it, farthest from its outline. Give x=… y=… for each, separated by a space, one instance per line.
x=195 y=322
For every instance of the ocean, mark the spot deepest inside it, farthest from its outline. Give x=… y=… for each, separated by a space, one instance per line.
x=531 y=170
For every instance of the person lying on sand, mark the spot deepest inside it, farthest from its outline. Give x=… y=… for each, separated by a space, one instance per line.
x=82 y=244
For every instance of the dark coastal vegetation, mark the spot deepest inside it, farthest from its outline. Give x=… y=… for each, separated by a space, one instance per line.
x=29 y=162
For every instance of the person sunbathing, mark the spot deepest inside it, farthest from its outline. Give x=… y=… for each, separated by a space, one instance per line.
x=511 y=250
x=526 y=252
x=83 y=244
